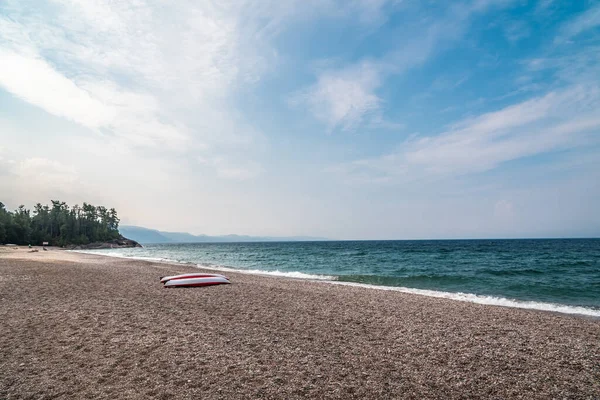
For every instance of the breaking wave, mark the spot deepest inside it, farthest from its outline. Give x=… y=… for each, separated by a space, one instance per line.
x=286 y=274
x=480 y=299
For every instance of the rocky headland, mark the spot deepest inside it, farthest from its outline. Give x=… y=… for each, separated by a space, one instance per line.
x=120 y=242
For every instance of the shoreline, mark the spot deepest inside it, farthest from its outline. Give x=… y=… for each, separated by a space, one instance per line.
x=564 y=309
x=82 y=325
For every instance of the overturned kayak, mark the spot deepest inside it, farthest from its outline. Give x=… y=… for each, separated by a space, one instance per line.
x=192 y=275
x=192 y=282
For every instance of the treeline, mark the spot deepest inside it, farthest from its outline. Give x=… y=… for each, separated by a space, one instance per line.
x=59 y=225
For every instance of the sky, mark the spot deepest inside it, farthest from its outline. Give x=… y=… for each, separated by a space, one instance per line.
x=345 y=119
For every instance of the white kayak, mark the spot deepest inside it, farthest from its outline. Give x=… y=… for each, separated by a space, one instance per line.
x=191 y=282
x=192 y=275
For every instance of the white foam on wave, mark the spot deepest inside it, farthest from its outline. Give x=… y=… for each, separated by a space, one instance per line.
x=285 y=274
x=480 y=299
x=291 y=274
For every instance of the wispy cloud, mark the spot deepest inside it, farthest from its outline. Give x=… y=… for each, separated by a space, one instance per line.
x=140 y=73
x=271 y=17
x=35 y=81
x=345 y=97
x=180 y=102
x=100 y=106
x=516 y=30
x=581 y=65
x=586 y=21
x=123 y=69
x=153 y=76
x=556 y=121
x=568 y=62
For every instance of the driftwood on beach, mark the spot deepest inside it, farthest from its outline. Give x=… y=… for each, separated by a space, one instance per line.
x=82 y=326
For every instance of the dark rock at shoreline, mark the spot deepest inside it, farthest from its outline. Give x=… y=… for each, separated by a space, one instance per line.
x=121 y=242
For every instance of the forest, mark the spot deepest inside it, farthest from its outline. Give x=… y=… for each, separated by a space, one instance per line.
x=58 y=224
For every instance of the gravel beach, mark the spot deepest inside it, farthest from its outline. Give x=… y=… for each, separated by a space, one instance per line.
x=86 y=326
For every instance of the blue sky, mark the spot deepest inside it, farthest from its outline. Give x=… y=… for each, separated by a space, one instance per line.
x=358 y=119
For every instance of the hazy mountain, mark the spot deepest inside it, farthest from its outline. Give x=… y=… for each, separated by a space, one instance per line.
x=145 y=235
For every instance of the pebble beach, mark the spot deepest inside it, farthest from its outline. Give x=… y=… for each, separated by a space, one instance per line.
x=87 y=326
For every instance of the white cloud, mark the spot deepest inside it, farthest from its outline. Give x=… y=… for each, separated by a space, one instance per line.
x=569 y=63
x=155 y=75
x=271 y=17
x=35 y=81
x=343 y=99
x=560 y=120
x=95 y=105
x=137 y=106
x=346 y=97
x=587 y=20
x=137 y=72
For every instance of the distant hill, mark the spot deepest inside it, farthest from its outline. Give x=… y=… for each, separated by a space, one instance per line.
x=145 y=235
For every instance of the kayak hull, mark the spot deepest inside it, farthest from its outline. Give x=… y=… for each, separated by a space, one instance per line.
x=195 y=282
x=191 y=275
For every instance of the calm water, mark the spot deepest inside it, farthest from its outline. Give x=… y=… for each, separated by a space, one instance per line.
x=561 y=272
